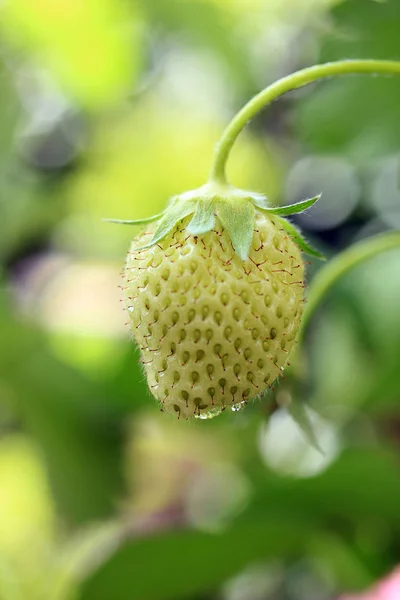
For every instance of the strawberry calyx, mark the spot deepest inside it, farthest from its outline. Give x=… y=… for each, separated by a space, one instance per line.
x=236 y=210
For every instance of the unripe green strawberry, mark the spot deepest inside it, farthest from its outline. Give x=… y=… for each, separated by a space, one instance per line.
x=214 y=301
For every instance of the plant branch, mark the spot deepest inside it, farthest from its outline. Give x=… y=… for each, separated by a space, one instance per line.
x=341 y=265
x=281 y=87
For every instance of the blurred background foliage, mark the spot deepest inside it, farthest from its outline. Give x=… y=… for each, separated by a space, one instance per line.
x=107 y=108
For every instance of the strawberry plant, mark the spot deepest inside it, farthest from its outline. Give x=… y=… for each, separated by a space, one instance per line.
x=214 y=284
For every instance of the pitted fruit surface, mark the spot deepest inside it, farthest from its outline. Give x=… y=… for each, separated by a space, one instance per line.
x=214 y=331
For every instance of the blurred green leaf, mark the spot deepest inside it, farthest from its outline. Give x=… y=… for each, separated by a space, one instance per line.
x=360 y=115
x=284 y=517
x=345 y=562
x=336 y=492
x=77 y=422
x=187 y=562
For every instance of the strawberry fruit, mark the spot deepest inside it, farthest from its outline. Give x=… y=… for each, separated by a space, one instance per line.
x=214 y=292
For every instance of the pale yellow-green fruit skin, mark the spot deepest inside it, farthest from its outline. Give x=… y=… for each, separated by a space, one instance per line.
x=214 y=331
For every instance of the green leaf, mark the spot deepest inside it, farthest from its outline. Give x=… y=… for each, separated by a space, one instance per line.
x=290 y=209
x=72 y=419
x=295 y=234
x=342 y=264
x=136 y=221
x=203 y=219
x=238 y=219
x=298 y=513
x=188 y=563
x=362 y=130
x=178 y=211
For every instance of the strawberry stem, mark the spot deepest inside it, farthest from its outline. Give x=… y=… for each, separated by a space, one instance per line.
x=281 y=87
x=343 y=263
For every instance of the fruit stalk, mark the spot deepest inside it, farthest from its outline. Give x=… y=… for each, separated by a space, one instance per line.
x=340 y=266
x=281 y=87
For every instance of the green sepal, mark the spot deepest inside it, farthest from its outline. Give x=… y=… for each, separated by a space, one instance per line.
x=259 y=200
x=235 y=209
x=203 y=219
x=296 y=236
x=178 y=210
x=290 y=209
x=135 y=221
x=237 y=217
x=300 y=415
